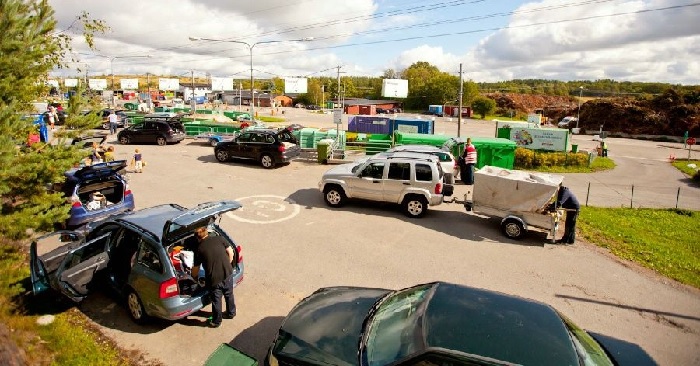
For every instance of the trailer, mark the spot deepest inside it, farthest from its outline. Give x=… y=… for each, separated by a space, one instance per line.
x=521 y=199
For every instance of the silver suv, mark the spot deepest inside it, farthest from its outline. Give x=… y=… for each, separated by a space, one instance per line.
x=412 y=180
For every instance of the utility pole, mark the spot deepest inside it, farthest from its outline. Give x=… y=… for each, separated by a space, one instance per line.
x=337 y=131
x=461 y=91
x=193 y=102
x=338 y=93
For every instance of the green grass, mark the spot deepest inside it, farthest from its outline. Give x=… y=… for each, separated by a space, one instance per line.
x=68 y=340
x=682 y=165
x=664 y=240
x=271 y=119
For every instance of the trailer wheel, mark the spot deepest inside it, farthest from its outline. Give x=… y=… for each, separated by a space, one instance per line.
x=513 y=228
x=213 y=142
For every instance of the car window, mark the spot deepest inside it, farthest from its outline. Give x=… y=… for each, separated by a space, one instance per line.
x=424 y=172
x=149 y=257
x=88 y=251
x=269 y=139
x=400 y=171
x=138 y=127
x=374 y=170
x=149 y=126
x=444 y=157
x=163 y=127
x=245 y=137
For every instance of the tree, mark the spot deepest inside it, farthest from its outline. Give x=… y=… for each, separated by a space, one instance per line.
x=483 y=106
x=29 y=49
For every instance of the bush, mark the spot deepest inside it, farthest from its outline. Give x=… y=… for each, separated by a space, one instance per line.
x=527 y=159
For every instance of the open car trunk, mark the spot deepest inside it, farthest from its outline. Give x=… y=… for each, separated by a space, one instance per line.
x=113 y=190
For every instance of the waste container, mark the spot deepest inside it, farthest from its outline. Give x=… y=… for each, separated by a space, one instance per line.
x=574 y=148
x=131 y=106
x=323 y=148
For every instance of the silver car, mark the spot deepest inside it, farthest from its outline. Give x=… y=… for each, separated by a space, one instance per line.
x=138 y=255
x=447 y=161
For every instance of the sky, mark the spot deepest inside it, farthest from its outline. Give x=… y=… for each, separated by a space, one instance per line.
x=494 y=40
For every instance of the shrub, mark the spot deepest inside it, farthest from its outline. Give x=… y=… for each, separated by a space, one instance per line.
x=527 y=159
x=524 y=158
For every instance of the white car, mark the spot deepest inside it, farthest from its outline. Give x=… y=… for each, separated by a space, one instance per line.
x=567 y=122
x=447 y=160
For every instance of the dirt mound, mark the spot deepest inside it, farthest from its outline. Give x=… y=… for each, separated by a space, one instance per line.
x=666 y=114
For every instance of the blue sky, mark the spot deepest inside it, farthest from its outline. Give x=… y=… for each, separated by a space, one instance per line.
x=625 y=40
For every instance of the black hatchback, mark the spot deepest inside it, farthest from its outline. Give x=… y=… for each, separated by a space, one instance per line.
x=269 y=147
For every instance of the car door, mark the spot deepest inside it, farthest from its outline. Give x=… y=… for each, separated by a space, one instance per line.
x=148 y=272
x=46 y=254
x=75 y=274
x=254 y=148
x=238 y=147
x=135 y=132
x=398 y=179
x=368 y=184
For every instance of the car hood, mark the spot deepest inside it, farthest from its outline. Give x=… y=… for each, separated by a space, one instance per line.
x=326 y=326
x=342 y=170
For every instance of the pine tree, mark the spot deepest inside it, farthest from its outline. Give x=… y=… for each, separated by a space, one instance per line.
x=30 y=48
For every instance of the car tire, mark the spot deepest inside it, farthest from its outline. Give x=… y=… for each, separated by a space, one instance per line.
x=134 y=306
x=334 y=196
x=415 y=206
x=161 y=141
x=213 y=142
x=124 y=140
x=221 y=155
x=267 y=161
x=513 y=228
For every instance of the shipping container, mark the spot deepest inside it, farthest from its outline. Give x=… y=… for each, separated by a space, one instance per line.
x=370 y=124
x=368 y=110
x=413 y=125
x=435 y=109
x=453 y=111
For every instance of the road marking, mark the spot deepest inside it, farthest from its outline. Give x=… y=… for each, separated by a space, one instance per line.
x=265 y=209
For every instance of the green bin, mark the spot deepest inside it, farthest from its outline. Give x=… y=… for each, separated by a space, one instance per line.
x=131 y=106
x=323 y=148
x=574 y=148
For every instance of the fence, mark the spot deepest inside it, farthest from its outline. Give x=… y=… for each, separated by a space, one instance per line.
x=640 y=196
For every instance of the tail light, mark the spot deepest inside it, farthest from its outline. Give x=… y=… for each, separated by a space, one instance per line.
x=168 y=288
x=281 y=148
x=240 y=256
x=127 y=192
x=438 y=188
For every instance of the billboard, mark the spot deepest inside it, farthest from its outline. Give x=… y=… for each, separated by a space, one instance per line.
x=131 y=84
x=52 y=82
x=168 y=84
x=295 y=85
x=97 y=84
x=71 y=83
x=221 y=83
x=395 y=88
x=553 y=139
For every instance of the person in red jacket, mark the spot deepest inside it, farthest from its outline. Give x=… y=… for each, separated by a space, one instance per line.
x=469 y=161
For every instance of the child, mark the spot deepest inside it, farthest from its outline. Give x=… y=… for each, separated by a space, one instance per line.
x=137 y=161
x=109 y=154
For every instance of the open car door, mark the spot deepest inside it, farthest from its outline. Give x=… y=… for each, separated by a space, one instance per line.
x=79 y=266
x=46 y=254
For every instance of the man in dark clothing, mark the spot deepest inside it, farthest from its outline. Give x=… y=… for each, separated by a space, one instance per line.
x=568 y=201
x=216 y=256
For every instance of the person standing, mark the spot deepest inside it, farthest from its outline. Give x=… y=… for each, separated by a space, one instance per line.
x=137 y=161
x=113 y=119
x=52 y=117
x=568 y=201
x=604 y=148
x=215 y=255
x=469 y=158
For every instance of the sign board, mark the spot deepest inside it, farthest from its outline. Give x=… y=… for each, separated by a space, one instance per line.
x=395 y=88
x=690 y=141
x=295 y=85
x=52 y=82
x=71 y=83
x=338 y=116
x=130 y=84
x=168 y=84
x=221 y=83
x=97 y=84
x=552 y=139
x=407 y=128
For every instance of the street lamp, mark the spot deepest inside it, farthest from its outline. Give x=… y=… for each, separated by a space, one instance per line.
x=250 y=51
x=578 y=115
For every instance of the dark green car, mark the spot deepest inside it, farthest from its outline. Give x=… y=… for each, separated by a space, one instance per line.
x=431 y=324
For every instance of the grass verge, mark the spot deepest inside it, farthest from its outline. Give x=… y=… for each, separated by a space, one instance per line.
x=597 y=165
x=71 y=339
x=664 y=240
x=682 y=165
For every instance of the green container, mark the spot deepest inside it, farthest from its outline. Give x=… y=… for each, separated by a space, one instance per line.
x=131 y=106
x=574 y=148
x=503 y=133
x=309 y=137
x=323 y=148
x=329 y=105
x=493 y=151
x=377 y=143
x=406 y=138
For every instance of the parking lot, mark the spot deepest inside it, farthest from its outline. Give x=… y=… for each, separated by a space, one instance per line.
x=293 y=244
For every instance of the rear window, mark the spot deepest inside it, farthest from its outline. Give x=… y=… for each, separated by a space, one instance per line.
x=400 y=171
x=424 y=172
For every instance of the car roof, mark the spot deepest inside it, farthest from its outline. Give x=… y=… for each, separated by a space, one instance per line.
x=415 y=147
x=496 y=325
x=409 y=155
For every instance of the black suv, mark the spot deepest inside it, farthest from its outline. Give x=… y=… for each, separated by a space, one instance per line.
x=161 y=128
x=269 y=147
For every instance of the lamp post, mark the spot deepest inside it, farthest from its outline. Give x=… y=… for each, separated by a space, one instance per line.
x=580 y=94
x=250 y=51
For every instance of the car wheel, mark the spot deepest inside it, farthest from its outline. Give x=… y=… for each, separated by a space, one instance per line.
x=161 y=141
x=415 y=206
x=135 y=307
x=334 y=196
x=221 y=155
x=124 y=140
x=213 y=142
x=267 y=161
x=513 y=228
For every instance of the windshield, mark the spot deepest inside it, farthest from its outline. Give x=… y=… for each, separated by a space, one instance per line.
x=395 y=330
x=358 y=165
